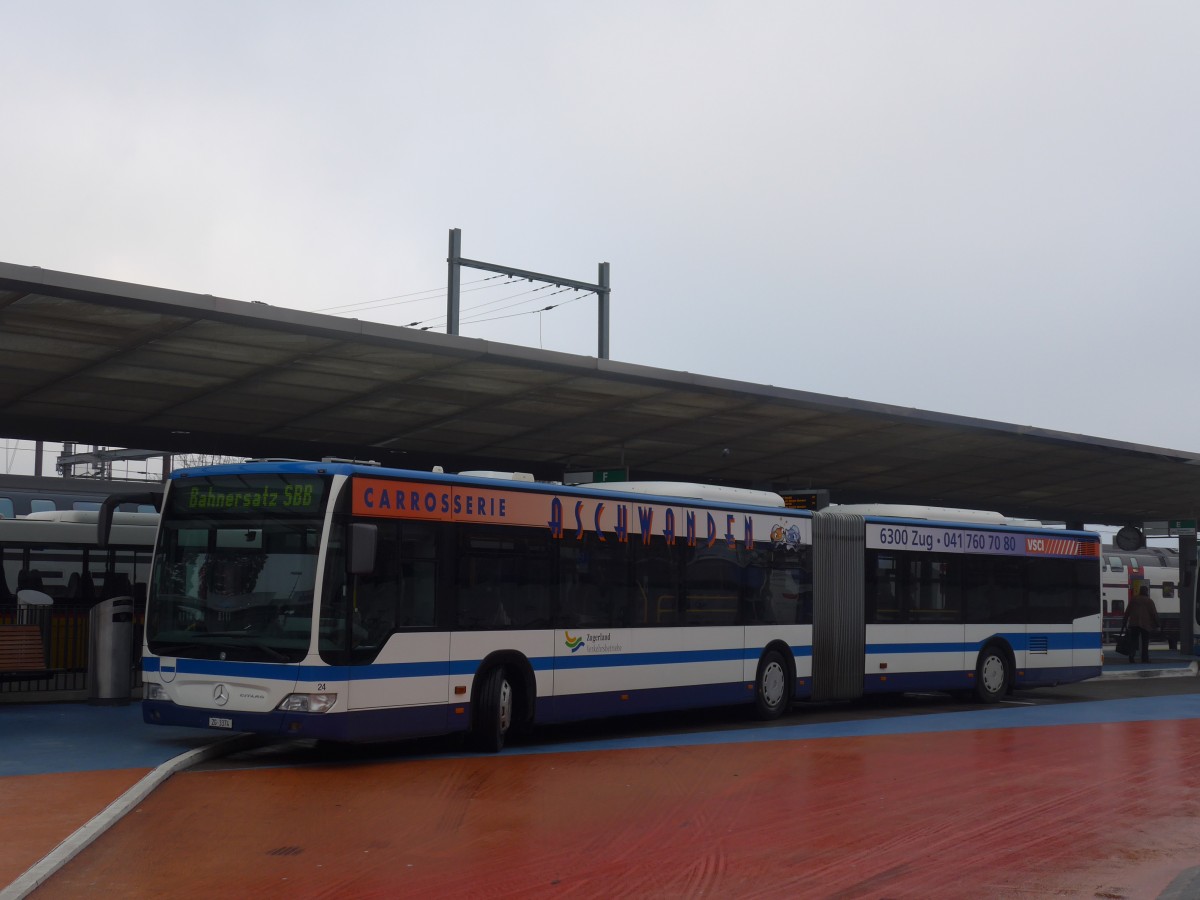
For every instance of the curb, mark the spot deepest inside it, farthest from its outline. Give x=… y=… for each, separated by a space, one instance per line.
x=1185 y=885
x=1191 y=670
x=110 y=815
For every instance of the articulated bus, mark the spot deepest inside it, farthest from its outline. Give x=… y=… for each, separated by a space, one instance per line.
x=343 y=601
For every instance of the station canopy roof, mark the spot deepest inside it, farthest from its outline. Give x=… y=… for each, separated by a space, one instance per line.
x=109 y=363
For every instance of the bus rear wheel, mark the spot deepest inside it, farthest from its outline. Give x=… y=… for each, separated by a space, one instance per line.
x=493 y=716
x=772 y=693
x=991 y=675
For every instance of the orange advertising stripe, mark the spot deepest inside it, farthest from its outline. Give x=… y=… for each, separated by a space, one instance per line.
x=569 y=517
x=446 y=503
x=1050 y=546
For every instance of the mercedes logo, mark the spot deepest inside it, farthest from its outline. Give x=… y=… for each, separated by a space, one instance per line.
x=220 y=695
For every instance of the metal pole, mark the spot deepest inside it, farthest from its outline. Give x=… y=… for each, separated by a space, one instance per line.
x=603 y=295
x=452 y=283
x=1187 y=592
x=455 y=261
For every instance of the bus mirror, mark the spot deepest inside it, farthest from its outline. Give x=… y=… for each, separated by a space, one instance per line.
x=110 y=505
x=361 y=538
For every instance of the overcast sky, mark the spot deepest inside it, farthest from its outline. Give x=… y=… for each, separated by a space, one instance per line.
x=988 y=210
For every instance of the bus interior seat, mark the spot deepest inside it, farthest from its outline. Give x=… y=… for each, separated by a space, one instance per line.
x=117 y=585
x=80 y=590
x=29 y=579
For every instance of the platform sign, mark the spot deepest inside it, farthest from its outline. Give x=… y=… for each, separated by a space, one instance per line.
x=1170 y=528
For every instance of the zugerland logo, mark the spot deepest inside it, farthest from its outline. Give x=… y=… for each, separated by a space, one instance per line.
x=592 y=642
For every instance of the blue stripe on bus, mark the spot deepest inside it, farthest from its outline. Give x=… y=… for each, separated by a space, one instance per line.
x=951 y=647
x=670 y=657
x=276 y=671
x=1053 y=641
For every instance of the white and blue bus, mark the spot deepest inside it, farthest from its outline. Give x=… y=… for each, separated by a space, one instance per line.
x=344 y=601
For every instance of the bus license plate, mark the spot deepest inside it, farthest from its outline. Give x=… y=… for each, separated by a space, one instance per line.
x=216 y=722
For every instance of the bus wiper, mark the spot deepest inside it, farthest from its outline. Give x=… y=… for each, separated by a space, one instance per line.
x=248 y=640
x=179 y=648
x=271 y=651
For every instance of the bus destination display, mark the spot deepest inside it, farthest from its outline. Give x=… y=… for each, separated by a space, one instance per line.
x=248 y=495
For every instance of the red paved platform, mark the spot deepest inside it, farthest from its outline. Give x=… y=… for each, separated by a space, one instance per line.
x=39 y=811
x=1097 y=810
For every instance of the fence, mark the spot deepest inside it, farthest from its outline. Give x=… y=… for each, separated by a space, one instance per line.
x=44 y=651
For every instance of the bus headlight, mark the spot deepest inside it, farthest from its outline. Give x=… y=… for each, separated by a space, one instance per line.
x=154 y=691
x=308 y=703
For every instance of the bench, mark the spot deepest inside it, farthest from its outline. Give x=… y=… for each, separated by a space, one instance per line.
x=22 y=652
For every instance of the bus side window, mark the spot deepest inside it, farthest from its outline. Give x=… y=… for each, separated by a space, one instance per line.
x=882 y=588
x=711 y=589
x=936 y=589
x=376 y=596
x=656 y=576
x=592 y=582
x=505 y=578
x=779 y=588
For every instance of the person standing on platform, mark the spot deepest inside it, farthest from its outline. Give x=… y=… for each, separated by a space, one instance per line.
x=1141 y=618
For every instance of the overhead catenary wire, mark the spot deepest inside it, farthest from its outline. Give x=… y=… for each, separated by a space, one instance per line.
x=474 y=314
x=434 y=292
x=434 y=320
x=476 y=317
x=527 y=312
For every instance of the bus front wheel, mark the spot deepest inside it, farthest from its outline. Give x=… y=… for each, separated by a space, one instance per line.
x=493 y=718
x=991 y=675
x=771 y=690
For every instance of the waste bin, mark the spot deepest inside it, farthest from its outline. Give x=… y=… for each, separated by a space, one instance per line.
x=110 y=663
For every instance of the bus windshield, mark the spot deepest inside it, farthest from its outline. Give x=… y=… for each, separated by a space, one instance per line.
x=235 y=568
